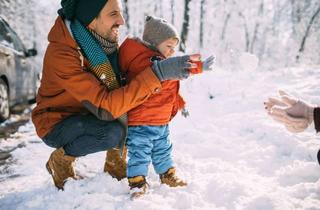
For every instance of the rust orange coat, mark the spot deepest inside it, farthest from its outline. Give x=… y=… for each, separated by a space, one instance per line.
x=67 y=89
x=161 y=107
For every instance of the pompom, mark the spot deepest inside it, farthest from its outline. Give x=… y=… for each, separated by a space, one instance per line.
x=148 y=17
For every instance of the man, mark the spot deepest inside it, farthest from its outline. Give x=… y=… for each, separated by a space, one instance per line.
x=81 y=104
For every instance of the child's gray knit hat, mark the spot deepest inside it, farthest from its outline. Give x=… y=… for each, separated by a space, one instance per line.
x=157 y=30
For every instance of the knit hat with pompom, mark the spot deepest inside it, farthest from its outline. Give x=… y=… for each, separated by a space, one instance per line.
x=157 y=30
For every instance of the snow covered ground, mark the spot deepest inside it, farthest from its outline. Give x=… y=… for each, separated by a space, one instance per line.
x=230 y=152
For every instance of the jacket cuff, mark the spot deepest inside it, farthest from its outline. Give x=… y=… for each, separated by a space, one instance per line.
x=316 y=118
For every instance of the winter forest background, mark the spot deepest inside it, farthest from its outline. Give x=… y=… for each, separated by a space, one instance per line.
x=279 y=33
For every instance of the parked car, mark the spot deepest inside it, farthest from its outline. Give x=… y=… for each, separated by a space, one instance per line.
x=18 y=78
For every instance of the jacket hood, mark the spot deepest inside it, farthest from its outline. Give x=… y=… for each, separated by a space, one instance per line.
x=134 y=50
x=60 y=34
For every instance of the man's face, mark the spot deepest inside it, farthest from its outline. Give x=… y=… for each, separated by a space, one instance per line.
x=108 y=21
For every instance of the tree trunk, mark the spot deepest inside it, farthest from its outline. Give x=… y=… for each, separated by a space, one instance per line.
x=293 y=18
x=246 y=31
x=225 y=25
x=172 y=11
x=185 y=26
x=257 y=26
x=306 y=34
x=161 y=9
x=202 y=15
x=155 y=9
x=126 y=15
x=158 y=11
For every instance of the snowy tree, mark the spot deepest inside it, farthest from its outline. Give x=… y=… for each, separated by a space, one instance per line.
x=202 y=15
x=185 y=26
x=126 y=13
x=172 y=5
x=226 y=28
x=314 y=16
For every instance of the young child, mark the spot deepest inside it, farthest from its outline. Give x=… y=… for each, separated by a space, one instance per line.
x=148 y=131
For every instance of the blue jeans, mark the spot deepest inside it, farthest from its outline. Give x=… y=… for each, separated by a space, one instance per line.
x=146 y=144
x=80 y=135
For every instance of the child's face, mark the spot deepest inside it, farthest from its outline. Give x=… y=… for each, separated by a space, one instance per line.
x=167 y=48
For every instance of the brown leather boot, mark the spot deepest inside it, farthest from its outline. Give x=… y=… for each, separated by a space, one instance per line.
x=169 y=178
x=115 y=165
x=138 y=186
x=60 y=166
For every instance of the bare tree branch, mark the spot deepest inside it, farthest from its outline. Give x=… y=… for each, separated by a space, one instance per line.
x=306 y=35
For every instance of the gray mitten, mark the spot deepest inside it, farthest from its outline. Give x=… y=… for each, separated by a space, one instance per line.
x=174 y=68
x=207 y=63
x=185 y=112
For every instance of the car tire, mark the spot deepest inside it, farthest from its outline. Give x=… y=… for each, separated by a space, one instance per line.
x=4 y=101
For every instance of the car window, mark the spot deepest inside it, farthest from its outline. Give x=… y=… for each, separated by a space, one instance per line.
x=17 y=43
x=5 y=38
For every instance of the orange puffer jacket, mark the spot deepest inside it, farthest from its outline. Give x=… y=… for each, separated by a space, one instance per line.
x=160 y=108
x=67 y=89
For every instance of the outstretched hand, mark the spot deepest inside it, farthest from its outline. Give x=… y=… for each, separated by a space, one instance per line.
x=207 y=64
x=174 y=68
x=295 y=114
x=199 y=66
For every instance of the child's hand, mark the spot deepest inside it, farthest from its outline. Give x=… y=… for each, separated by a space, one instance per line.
x=174 y=68
x=208 y=63
x=185 y=112
x=205 y=65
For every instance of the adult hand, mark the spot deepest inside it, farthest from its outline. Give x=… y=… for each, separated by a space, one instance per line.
x=295 y=114
x=174 y=68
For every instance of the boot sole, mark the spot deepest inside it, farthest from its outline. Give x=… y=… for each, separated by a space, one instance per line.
x=136 y=195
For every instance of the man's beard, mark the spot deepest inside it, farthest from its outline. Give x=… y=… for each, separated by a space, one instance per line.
x=111 y=36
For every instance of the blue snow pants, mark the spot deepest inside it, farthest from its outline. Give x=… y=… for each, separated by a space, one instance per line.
x=146 y=144
x=80 y=135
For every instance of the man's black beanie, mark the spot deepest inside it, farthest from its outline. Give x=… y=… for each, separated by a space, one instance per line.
x=83 y=10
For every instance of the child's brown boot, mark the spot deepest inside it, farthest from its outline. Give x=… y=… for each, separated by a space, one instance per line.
x=138 y=186
x=169 y=178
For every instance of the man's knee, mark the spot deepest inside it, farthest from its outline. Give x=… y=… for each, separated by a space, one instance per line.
x=114 y=133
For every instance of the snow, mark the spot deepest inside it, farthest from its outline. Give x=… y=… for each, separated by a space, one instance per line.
x=248 y=61
x=230 y=152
